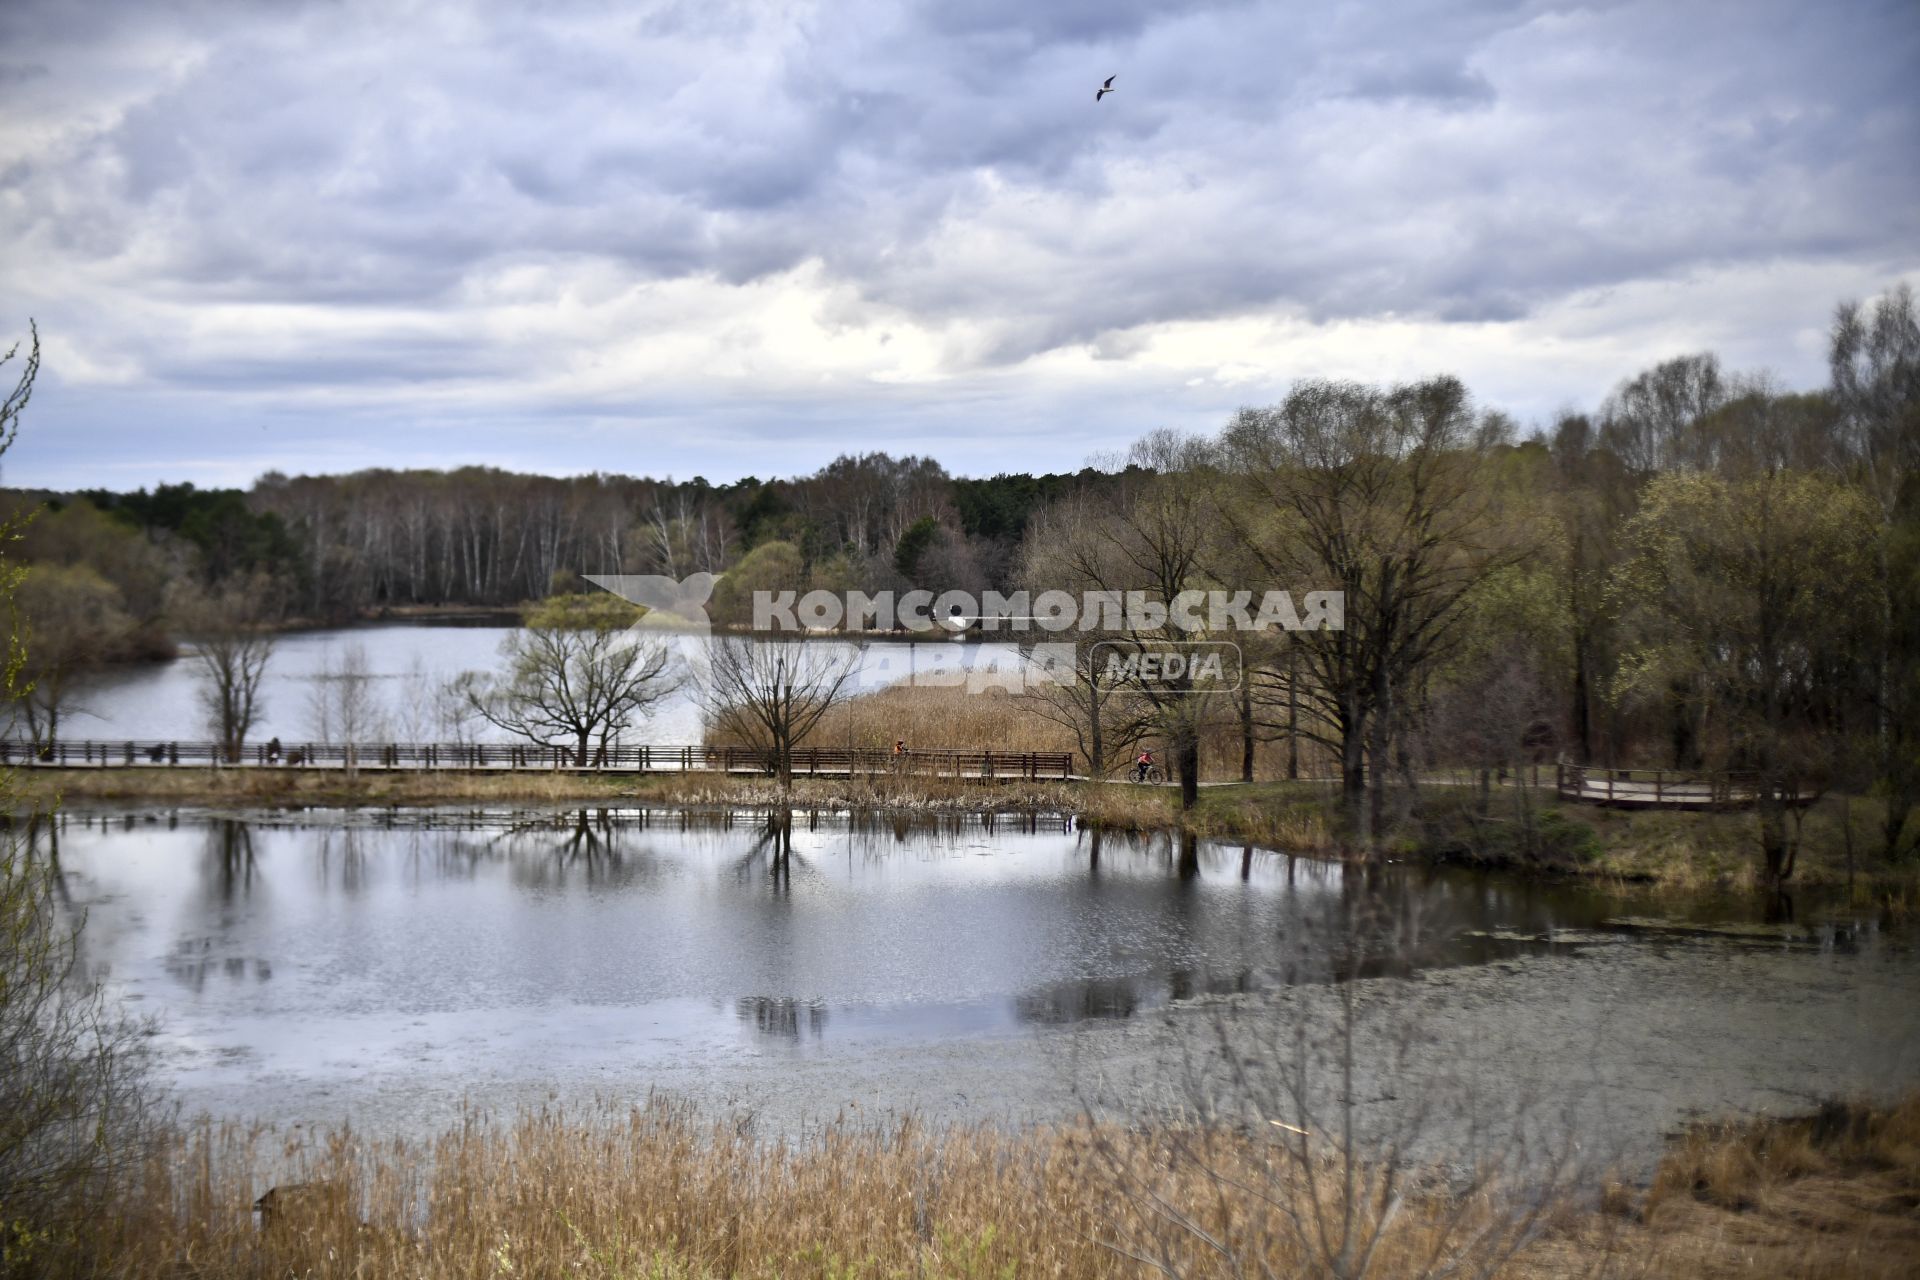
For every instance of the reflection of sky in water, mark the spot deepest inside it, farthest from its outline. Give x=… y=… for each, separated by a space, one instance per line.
x=160 y=700
x=490 y=944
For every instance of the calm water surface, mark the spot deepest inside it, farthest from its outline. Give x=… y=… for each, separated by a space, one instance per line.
x=339 y=954
x=408 y=663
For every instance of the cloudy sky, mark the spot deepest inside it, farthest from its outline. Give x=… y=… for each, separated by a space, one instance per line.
x=741 y=238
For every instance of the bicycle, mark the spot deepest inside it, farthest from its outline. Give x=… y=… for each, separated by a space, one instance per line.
x=1153 y=775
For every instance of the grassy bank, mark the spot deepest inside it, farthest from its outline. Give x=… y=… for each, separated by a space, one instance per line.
x=1533 y=831
x=301 y=787
x=1522 y=830
x=655 y=1192
x=1839 y=843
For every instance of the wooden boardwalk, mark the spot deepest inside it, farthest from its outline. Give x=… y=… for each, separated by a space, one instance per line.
x=506 y=757
x=1661 y=788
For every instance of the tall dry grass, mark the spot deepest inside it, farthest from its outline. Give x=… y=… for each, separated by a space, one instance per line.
x=941 y=717
x=656 y=1192
x=1834 y=1194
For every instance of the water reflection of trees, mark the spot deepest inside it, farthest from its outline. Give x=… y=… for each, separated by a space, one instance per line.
x=1419 y=917
x=1187 y=857
x=608 y=846
x=341 y=859
x=592 y=848
x=39 y=833
x=228 y=862
x=770 y=853
x=783 y=1017
x=1061 y=1003
x=611 y=844
x=230 y=876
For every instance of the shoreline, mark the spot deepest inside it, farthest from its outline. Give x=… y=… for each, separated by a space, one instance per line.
x=1615 y=1011
x=1617 y=1042
x=1670 y=850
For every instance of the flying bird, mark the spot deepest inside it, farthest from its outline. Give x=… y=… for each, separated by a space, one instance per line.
x=1105 y=89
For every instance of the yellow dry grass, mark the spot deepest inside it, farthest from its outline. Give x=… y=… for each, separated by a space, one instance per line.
x=1835 y=1194
x=941 y=717
x=655 y=1192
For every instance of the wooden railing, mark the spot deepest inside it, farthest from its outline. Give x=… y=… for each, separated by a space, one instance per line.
x=612 y=758
x=1662 y=788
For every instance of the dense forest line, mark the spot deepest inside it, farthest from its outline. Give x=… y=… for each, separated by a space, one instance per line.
x=342 y=546
x=1702 y=571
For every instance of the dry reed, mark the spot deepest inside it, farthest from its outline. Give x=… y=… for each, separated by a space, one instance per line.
x=656 y=1192
x=1828 y=1195
x=940 y=717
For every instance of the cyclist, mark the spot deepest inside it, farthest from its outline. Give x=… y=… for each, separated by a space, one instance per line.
x=1142 y=765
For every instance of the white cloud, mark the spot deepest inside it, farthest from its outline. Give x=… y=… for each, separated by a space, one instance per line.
x=800 y=227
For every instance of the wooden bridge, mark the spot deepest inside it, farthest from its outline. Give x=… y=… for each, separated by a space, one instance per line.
x=1661 y=788
x=507 y=757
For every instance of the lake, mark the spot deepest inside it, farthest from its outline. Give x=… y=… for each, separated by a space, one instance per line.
x=408 y=662
x=391 y=966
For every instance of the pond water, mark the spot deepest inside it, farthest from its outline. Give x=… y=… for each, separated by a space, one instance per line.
x=408 y=663
x=393 y=964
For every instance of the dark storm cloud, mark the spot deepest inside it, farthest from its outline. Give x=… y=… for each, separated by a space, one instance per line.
x=348 y=196
x=1020 y=24
x=390 y=362
x=1446 y=83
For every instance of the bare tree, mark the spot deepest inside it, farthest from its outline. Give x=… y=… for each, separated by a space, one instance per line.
x=11 y=572
x=428 y=708
x=772 y=693
x=576 y=675
x=1648 y=421
x=687 y=535
x=1106 y=720
x=1149 y=542
x=342 y=704
x=16 y=400
x=230 y=629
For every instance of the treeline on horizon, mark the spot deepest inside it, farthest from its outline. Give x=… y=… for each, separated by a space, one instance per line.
x=345 y=546
x=1702 y=570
